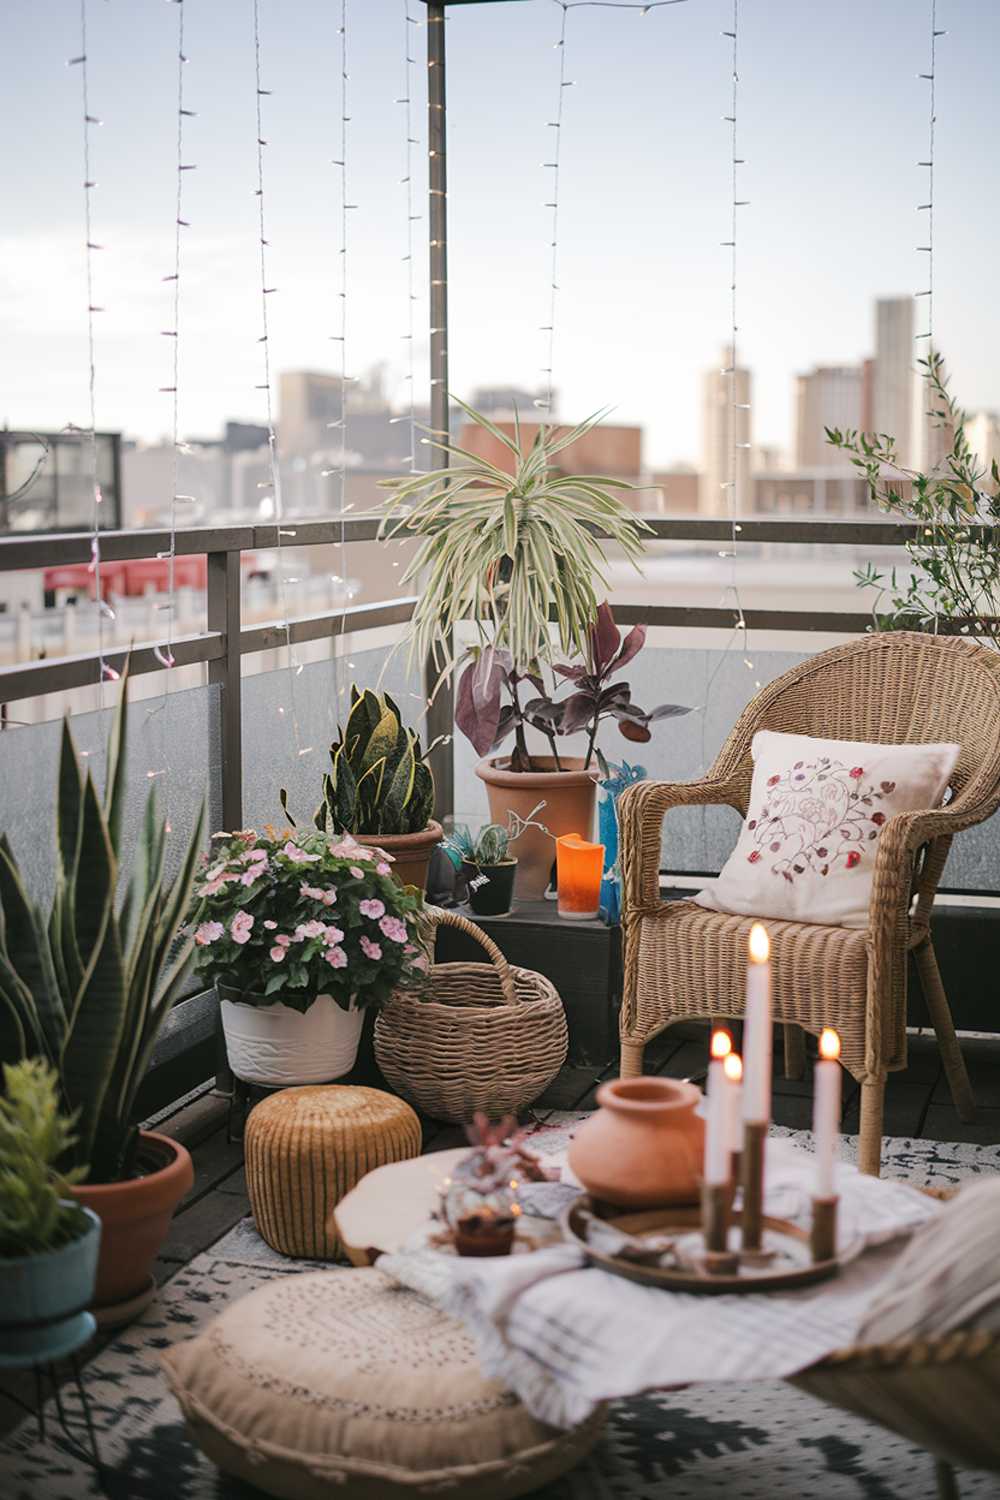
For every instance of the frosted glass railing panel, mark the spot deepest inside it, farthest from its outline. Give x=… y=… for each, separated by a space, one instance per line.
x=172 y=745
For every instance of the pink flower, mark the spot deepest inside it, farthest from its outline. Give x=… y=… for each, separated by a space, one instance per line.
x=358 y=874
x=312 y=891
x=297 y=856
x=283 y=939
x=394 y=929
x=348 y=848
x=270 y=925
x=856 y=772
x=329 y=898
x=309 y=930
x=254 y=857
x=240 y=927
x=332 y=934
x=371 y=949
x=420 y=962
x=208 y=932
x=373 y=909
x=278 y=954
x=382 y=868
x=254 y=873
x=215 y=885
x=336 y=958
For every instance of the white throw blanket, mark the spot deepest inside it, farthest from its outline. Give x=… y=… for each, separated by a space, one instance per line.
x=566 y=1336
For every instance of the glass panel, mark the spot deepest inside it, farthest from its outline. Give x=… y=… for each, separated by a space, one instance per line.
x=172 y=742
x=276 y=754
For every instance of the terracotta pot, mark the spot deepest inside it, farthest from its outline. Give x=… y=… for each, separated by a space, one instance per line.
x=135 y=1216
x=645 y=1145
x=569 y=797
x=411 y=852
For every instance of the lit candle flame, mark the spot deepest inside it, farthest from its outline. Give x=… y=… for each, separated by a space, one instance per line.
x=829 y=1044
x=721 y=1044
x=759 y=945
x=732 y=1066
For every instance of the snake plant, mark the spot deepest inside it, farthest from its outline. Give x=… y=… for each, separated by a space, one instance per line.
x=89 y=986
x=379 y=782
x=510 y=550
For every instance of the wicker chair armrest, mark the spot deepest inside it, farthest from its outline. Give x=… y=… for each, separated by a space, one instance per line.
x=641 y=809
x=903 y=835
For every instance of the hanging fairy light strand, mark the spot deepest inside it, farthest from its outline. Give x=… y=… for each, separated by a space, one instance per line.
x=545 y=403
x=274 y=466
x=165 y=653
x=928 y=207
x=409 y=141
x=345 y=209
x=106 y=672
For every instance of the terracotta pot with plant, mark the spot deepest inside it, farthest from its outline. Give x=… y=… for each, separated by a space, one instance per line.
x=380 y=789
x=300 y=932
x=88 y=987
x=516 y=554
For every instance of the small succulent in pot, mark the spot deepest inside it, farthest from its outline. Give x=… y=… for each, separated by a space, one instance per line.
x=289 y=916
x=480 y=1200
x=36 y=1211
x=487 y=861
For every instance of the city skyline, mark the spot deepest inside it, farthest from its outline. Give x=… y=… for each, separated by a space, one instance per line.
x=831 y=176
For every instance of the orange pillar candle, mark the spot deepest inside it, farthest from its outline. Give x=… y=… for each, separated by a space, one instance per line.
x=579 y=867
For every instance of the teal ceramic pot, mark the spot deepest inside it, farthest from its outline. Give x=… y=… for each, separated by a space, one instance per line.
x=44 y=1300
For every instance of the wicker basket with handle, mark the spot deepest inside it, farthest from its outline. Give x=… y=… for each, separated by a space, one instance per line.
x=481 y=1036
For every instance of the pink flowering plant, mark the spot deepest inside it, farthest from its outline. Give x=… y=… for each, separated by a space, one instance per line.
x=290 y=916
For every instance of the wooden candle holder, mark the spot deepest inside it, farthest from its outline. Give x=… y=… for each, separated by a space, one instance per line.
x=823 y=1233
x=752 y=1218
x=715 y=1204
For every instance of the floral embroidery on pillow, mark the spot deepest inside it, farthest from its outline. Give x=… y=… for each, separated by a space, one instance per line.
x=816 y=814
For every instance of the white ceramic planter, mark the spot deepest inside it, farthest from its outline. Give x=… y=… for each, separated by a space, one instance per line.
x=278 y=1046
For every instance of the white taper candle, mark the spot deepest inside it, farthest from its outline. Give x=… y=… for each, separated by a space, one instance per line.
x=826 y=1111
x=757 y=1037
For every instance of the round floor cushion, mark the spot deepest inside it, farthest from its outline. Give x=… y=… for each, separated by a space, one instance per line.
x=328 y=1377
x=306 y=1147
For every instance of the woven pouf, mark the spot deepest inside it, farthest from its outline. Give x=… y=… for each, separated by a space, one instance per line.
x=343 y=1383
x=307 y=1147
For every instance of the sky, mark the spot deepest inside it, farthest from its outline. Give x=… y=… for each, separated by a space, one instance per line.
x=832 y=122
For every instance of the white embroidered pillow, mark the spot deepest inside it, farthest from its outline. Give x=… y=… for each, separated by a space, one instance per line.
x=806 y=852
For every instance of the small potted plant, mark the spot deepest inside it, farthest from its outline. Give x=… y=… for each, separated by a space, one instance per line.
x=511 y=550
x=89 y=985
x=48 y=1241
x=300 y=932
x=486 y=862
x=380 y=789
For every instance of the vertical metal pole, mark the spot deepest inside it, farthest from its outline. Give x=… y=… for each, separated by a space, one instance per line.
x=440 y=716
x=224 y=616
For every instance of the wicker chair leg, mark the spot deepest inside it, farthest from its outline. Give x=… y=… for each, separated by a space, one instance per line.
x=795 y=1051
x=944 y=1030
x=631 y=1063
x=947 y=1484
x=870 y=1141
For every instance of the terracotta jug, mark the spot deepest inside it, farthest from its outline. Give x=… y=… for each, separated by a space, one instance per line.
x=644 y=1146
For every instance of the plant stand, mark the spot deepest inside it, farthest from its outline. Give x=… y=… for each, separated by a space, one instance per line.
x=79 y=1435
x=582 y=959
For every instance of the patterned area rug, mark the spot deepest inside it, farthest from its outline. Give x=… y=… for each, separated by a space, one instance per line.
x=758 y=1442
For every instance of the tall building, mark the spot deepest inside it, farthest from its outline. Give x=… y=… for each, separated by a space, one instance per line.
x=829 y=396
x=610 y=448
x=892 y=386
x=726 y=421
x=983 y=432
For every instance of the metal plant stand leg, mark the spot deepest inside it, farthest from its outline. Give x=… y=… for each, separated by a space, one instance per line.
x=946 y=1482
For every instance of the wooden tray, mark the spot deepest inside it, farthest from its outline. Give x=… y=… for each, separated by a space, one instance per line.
x=790 y=1267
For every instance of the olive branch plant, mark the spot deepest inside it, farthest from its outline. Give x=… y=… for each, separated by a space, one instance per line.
x=956 y=551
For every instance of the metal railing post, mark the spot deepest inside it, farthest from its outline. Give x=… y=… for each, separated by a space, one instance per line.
x=224 y=616
x=441 y=710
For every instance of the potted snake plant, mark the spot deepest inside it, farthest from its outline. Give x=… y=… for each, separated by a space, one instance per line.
x=88 y=987
x=512 y=549
x=300 y=931
x=380 y=788
x=48 y=1241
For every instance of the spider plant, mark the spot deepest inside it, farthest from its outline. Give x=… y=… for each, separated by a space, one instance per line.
x=510 y=551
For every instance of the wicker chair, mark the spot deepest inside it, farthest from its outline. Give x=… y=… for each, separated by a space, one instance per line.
x=941 y=1393
x=683 y=961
